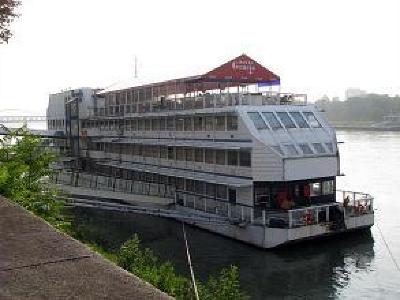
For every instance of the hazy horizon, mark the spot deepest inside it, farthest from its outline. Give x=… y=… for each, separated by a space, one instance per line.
x=316 y=47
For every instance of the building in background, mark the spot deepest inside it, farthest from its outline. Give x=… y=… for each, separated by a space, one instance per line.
x=354 y=92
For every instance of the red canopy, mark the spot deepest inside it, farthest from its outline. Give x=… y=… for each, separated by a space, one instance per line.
x=242 y=69
x=239 y=71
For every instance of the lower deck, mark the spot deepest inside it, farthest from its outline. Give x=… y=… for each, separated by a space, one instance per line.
x=258 y=225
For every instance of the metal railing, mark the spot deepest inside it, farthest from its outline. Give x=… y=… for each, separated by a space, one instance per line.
x=213 y=205
x=355 y=203
x=202 y=101
x=358 y=203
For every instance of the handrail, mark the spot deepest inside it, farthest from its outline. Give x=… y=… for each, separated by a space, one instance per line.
x=202 y=101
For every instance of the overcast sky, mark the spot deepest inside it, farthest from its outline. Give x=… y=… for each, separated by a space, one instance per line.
x=317 y=47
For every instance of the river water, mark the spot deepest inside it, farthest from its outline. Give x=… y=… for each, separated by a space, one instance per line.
x=351 y=266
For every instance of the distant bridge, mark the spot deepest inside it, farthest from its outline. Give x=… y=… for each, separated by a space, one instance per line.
x=36 y=132
x=22 y=119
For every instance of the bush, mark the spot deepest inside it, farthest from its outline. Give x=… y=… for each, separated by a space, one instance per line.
x=143 y=263
x=24 y=163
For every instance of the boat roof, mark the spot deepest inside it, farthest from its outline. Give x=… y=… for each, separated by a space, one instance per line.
x=241 y=70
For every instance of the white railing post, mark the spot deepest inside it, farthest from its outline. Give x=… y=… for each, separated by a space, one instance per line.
x=229 y=211
x=194 y=202
x=263 y=217
x=205 y=204
x=251 y=215
x=327 y=214
x=290 y=219
x=316 y=215
x=242 y=213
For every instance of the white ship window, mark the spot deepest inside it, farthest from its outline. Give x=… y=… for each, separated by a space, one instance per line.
x=306 y=149
x=329 y=146
x=311 y=119
x=188 y=124
x=232 y=157
x=199 y=187
x=199 y=155
x=164 y=152
x=221 y=192
x=179 y=123
x=163 y=124
x=210 y=189
x=278 y=149
x=148 y=124
x=286 y=120
x=141 y=124
x=272 y=120
x=189 y=154
x=209 y=155
x=155 y=124
x=232 y=123
x=180 y=153
x=220 y=123
x=327 y=187
x=220 y=157
x=315 y=189
x=171 y=154
x=189 y=185
x=319 y=148
x=170 y=124
x=209 y=121
x=198 y=123
x=298 y=118
x=291 y=150
x=134 y=125
x=245 y=158
x=258 y=121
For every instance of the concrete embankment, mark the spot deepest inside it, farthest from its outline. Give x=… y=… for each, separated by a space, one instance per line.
x=37 y=262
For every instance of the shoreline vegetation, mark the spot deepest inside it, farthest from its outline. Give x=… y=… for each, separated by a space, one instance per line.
x=359 y=112
x=25 y=163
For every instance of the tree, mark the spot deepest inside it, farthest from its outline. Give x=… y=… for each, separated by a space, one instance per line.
x=7 y=15
x=24 y=168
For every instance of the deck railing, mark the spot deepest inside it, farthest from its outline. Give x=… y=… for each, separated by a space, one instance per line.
x=355 y=203
x=358 y=203
x=202 y=101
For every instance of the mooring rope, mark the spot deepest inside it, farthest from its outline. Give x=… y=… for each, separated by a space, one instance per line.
x=388 y=248
x=190 y=262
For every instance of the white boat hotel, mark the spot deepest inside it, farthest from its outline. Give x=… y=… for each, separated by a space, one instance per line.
x=226 y=145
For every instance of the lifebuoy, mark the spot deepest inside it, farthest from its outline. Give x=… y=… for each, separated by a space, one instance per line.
x=307 y=218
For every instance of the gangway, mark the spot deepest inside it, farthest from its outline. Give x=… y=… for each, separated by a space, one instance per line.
x=187 y=217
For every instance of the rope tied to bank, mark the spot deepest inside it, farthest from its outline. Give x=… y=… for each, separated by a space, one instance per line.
x=388 y=248
x=190 y=262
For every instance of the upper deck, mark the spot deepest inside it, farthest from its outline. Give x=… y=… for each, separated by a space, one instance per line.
x=121 y=103
x=241 y=81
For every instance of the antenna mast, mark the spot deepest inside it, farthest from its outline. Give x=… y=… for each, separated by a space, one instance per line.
x=135 y=66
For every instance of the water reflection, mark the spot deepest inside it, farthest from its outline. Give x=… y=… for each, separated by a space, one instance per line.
x=314 y=270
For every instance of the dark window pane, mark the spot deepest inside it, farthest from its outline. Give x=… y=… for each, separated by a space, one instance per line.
x=232 y=157
x=232 y=123
x=286 y=120
x=245 y=158
x=311 y=119
x=306 y=149
x=257 y=120
x=272 y=120
x=319 y=148
x=298 y=118
x=220 y=157
x=199 y=155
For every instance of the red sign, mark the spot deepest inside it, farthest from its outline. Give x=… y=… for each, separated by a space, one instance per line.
x=242 y=69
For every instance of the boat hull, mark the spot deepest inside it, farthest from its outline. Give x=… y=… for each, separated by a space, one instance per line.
x=267 y=238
